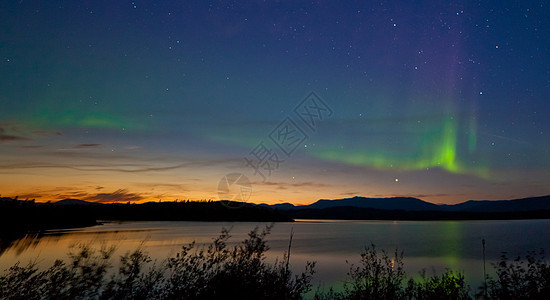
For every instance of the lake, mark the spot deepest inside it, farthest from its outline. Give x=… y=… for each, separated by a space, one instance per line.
x=430 y=245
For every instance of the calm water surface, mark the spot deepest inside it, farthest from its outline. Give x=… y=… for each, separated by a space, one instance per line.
x=430 y=245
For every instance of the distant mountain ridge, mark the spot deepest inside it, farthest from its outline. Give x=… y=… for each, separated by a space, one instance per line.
x=522 y=204
x=75 y=202
x=415 y=204
x=401 y=203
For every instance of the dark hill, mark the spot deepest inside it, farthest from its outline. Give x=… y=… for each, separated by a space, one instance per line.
x=407 y=208
x=394 y=203
x=74 y=202
x=524 y=204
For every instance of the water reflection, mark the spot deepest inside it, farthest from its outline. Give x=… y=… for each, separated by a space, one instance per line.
x=18 y=242
x=433 y=246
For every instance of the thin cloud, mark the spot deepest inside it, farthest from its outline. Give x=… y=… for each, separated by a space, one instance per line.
x=133 y=147
x=55 y=194
x=29 y=196
x=268 y=183
x=173 y=186
x=81 y=146
x=4 y=137
x=76 y=195
x=284 y=185
x=109 y=167
x=8 y=138
x=309 y=184
x=128 y=168
x=121 y=195
x=46 y=133
x=419 y=196
x=77 y=148
x=350 y=194
x=32 y=146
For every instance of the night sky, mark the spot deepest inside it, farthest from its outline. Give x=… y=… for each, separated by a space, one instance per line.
x=159 y=100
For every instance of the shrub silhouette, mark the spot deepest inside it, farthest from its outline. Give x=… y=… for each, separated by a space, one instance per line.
x=449 y=285
x=213 y=272
x=521 y=279
x=379 y=276
x=81 y=278
x=217 y=271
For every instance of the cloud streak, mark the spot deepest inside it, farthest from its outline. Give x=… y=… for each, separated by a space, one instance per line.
x=286 y=185
x=419 y=196
x=87 y=146
x=125 y=168
x=120 y=195
x=4 y=137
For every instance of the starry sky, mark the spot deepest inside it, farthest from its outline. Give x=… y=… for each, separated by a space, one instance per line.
x=117 y=101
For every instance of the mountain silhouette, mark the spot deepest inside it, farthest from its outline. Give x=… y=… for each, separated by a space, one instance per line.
x=523 y=204
x=394 y=203
x=408 y=208
x=74 y=202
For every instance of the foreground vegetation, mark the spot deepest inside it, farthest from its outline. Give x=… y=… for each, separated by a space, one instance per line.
x=213 y=272
x=218 y=271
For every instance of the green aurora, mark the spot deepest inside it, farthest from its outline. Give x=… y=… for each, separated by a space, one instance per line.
x=436 y=148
